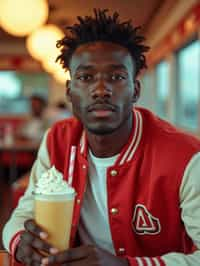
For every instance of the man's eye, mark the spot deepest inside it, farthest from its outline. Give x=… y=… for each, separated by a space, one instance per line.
x=85 y=77
x=117 y=77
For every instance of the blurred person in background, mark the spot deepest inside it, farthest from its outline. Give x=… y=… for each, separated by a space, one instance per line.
x=57 y=111
x=136 y=176
x=34 y=127
x=30 y=131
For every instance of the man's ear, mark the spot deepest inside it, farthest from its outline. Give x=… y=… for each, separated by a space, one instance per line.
x=137 y=88
x=68 y=89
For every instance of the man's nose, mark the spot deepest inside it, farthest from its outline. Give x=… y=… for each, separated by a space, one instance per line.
x=101 y=90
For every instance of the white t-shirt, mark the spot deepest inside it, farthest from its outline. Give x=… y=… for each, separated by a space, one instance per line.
x=94 y=225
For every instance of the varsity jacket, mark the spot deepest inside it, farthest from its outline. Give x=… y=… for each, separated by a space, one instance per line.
x=153 y=190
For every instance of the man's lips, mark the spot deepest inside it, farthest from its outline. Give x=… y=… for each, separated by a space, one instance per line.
x=102 y=113
x=101 y=107
x=101 y=110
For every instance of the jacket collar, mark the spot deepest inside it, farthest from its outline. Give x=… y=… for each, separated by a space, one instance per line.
x=128 y=152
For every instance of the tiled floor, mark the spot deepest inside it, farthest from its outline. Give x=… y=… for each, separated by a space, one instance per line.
x=5 y=206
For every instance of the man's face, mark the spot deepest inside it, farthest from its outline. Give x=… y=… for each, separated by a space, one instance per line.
x=102 y=86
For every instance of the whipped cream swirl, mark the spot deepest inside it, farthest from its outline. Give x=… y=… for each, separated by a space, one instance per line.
x=51 y=183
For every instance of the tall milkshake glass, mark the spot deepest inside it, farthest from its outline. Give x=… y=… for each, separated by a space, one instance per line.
x=54 y=202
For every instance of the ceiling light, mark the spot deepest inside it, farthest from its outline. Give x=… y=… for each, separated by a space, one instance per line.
x=21 y=17
x=41 y=43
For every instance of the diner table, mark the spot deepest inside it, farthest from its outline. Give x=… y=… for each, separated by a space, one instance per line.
x=14 y=149
x=7 y=260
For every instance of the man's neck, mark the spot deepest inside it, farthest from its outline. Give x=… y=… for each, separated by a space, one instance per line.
x=110 y=144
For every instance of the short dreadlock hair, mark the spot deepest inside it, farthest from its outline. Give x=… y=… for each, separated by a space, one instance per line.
x=103 y=27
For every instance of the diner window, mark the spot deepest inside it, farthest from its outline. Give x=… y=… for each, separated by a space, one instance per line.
x=144 y=82
x=147 y=98
x=162 y=89
x=188 y=60
x=17 y=87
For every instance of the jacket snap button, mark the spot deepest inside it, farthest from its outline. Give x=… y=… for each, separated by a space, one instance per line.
x=78 y=201
x=113 y=173
x=121 y=250
x=114 y=210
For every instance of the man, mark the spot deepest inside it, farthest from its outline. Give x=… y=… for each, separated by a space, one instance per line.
x=136 y=176
x=34 y=127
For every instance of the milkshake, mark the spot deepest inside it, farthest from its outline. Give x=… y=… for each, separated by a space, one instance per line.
x=54 y=202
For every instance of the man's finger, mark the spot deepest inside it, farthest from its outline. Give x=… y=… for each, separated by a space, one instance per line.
x=43 y=246
x=23 y=250
x=30 y=261
x=28 y=239
x=69 y=255
x=33 y=228
x=26 y=251
x=36 y=257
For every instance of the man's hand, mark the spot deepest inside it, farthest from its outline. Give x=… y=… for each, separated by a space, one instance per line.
x=31 y=245
x=84 y=256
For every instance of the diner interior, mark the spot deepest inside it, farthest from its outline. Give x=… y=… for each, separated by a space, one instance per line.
x=32 y=85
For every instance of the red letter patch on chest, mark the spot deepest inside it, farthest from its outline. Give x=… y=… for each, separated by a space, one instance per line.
x=144 y=222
